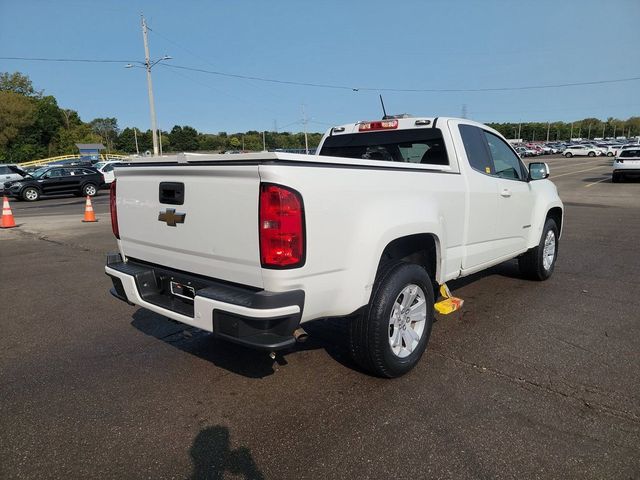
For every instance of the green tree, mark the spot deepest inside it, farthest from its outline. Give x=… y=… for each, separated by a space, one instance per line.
x=107 y=128
x=17 y=83
x=16 y=112
x=184 y=139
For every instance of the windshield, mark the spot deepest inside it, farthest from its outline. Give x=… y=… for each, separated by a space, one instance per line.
x=99 y=165
x=39 y=172
x=424 y=146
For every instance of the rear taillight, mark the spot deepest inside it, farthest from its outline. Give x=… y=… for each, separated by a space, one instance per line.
x=281 y=228
x=114 y=210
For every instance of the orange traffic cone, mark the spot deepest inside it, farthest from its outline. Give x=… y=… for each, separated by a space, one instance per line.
x=89 y=215
x=7 y=216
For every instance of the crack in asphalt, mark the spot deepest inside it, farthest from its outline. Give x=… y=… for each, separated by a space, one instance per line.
x=616 y=412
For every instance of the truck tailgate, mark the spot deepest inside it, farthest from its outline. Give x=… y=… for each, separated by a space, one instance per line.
x=219 y=235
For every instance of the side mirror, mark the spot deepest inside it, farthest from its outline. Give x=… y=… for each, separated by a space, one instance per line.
x=538 y=171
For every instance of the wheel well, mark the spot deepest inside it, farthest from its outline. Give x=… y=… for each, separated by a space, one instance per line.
x=556 y=215
x=420 y=249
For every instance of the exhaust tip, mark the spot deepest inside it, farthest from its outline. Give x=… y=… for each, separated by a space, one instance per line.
x=300 y=335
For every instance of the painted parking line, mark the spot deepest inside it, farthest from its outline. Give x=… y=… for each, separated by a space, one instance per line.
x=556 y=167
x=599 y=181
x=579 y=171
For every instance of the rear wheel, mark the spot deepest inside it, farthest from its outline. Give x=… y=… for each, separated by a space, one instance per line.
x=390 y=336
x=616 y=177
x=568 y=154
x=538 y=263
x=89 y=190
x=30 y=194
x=609 y=154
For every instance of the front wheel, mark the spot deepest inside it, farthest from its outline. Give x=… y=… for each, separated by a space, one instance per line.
x=89 y=190
x=538 y=263
x=390 y=336
x=31 y=194
x=592 y=154
x=568 y=155
x=609 y=154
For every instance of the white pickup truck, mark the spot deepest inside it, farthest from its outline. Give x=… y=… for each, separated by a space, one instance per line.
x=251 y=246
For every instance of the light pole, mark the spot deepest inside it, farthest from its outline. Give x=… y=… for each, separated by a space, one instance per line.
x=148 y=65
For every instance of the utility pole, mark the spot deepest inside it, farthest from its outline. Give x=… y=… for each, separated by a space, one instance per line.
x=603 y=125
x=135 y=137
x=614 y=130
x=571 y=134
x=264 y=142
x=589 y=134
x=519 y=125
x=160 y=132
x=464 y=110
x=306 y=139
x=152 y=107
x=548 y=127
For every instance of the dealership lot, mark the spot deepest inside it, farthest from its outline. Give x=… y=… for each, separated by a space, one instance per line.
x=528 y=380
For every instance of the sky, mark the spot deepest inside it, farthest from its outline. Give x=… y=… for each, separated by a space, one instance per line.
x=401 y=44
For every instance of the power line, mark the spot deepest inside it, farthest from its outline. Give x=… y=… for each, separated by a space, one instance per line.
x=414 y=90
x=340 y=87
x=69 y=60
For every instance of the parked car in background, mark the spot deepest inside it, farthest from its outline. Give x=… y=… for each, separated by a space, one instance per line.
x=56 y=181
x=581 y=150
x=106 y=168
x=9 y=173
x=626 y=164
x=612 y=150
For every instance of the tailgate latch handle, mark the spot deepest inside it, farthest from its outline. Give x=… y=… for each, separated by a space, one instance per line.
x=171 y=193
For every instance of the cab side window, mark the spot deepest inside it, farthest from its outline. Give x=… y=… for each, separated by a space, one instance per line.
x=476 y=148
x=506 y=164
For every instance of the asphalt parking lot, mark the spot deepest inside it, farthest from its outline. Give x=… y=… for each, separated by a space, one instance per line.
x=529 y=380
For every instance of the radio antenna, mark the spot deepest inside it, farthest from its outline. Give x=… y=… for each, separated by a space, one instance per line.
x=383 y=109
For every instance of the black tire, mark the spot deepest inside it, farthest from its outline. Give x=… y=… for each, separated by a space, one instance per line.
x=532 y=262
x=369 y=339
x=568 y=155
x=30 y=194
x=609 y=154
x=89 y=189
x=591 y=154
x=616 y=178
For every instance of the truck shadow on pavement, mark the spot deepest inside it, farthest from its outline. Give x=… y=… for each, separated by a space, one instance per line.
x=329 y=334
x=212 y=457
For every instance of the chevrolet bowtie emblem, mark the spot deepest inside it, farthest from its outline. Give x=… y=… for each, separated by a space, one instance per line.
x=171 y=217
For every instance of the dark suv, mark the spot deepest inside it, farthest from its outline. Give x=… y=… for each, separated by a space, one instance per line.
x=56 y=181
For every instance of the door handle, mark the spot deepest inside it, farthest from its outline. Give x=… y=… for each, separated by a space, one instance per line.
x=505 y=192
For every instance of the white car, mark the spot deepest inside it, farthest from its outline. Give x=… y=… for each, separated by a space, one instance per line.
x=106 y=168
x=612 y=150
x=252 y=246
x=581 y=150
x=627 y=163
x=10 y=173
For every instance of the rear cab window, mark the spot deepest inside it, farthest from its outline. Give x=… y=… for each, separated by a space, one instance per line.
x=418 y=146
